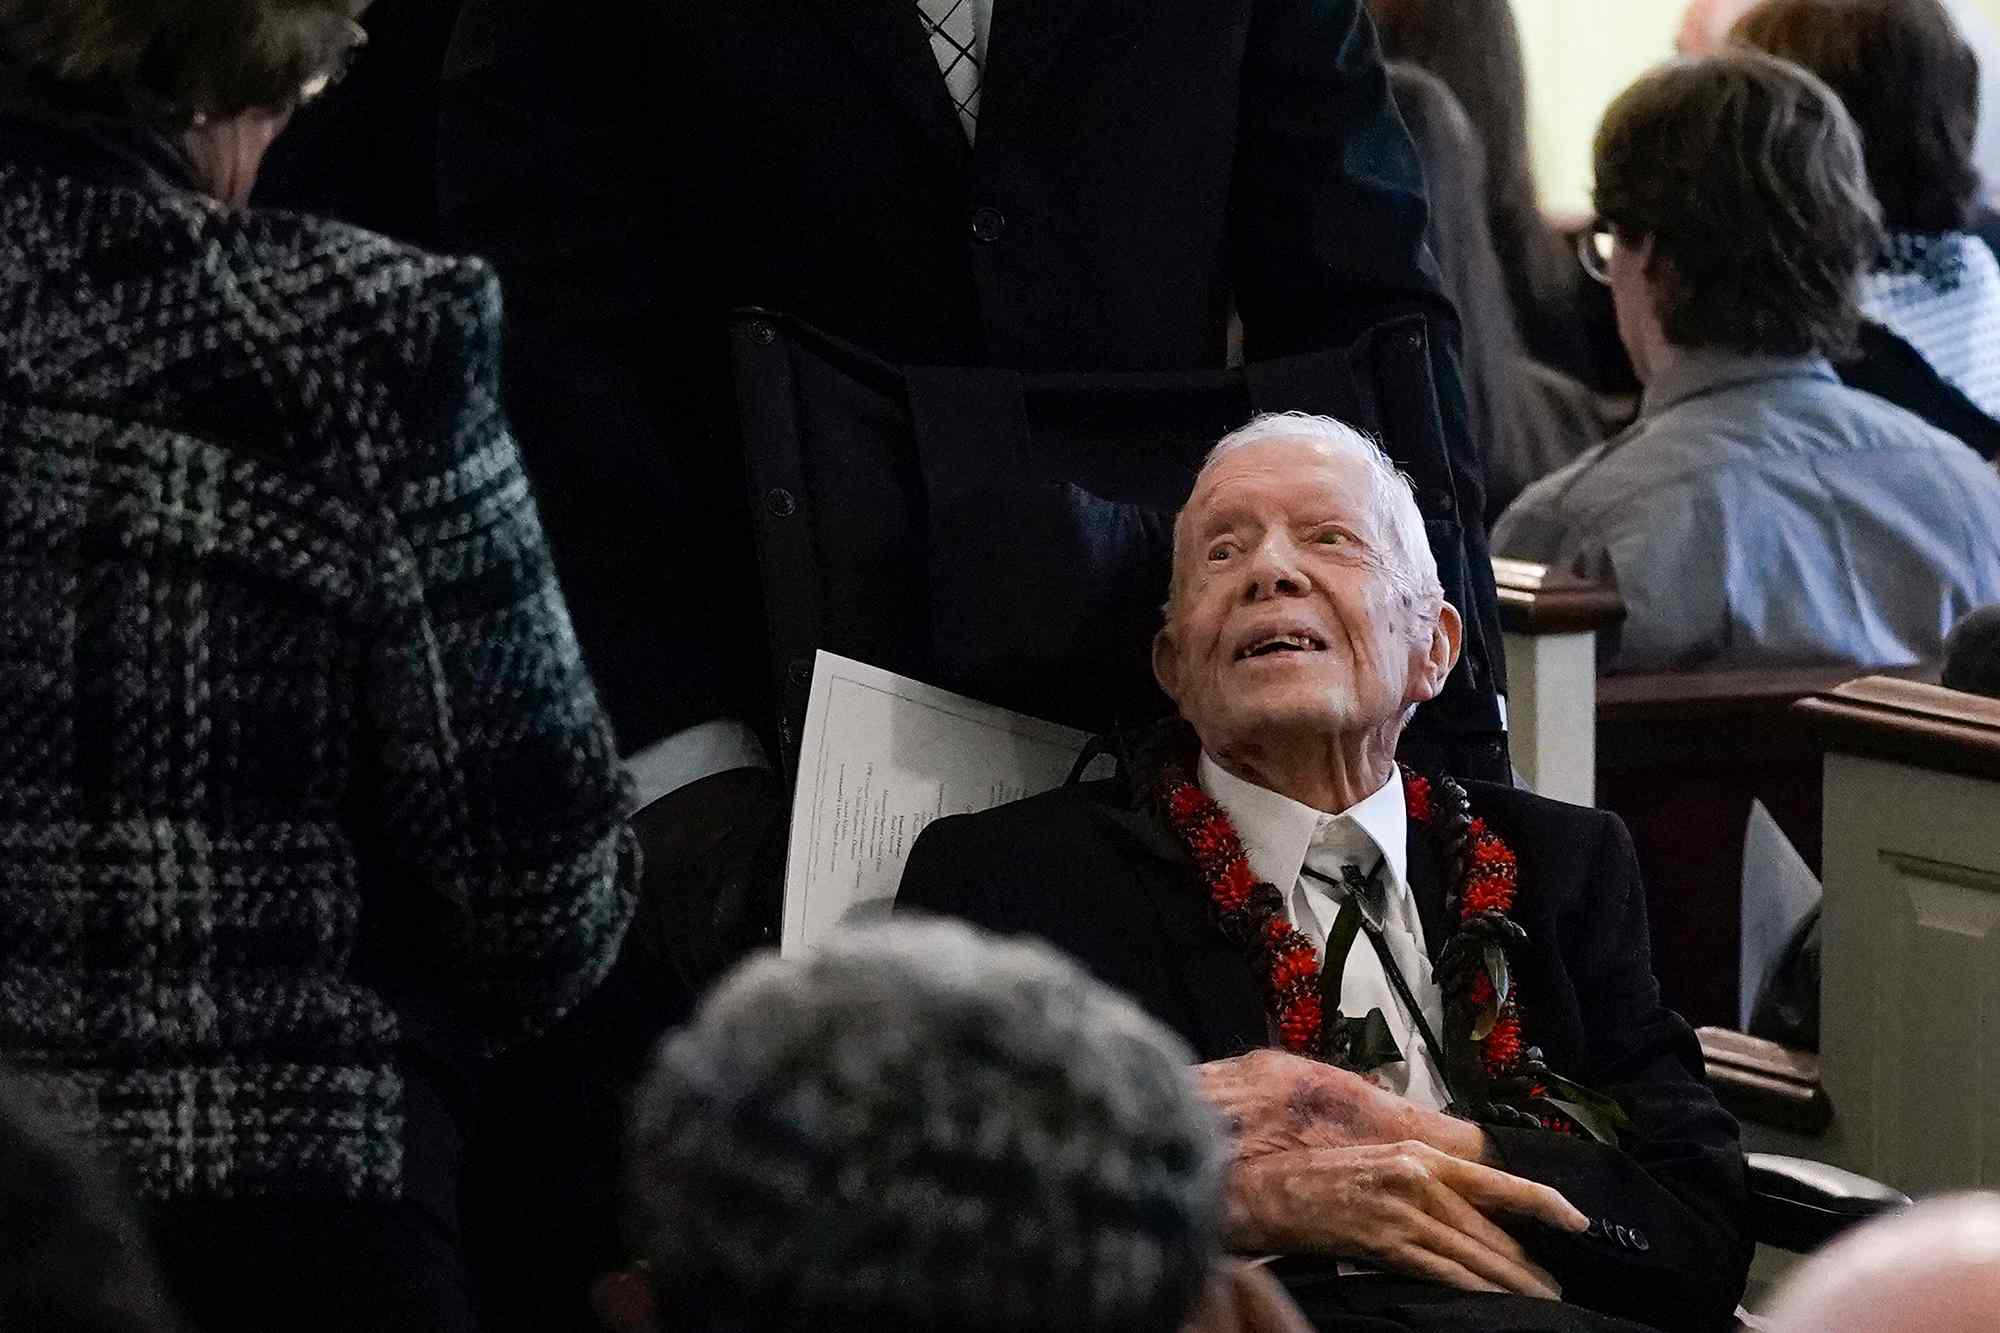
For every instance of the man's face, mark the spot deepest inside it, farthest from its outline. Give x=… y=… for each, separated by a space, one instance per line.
x=1706 y=23
x=1634 y=303
x=1287 y=617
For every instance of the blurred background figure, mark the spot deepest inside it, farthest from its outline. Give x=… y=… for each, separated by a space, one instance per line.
x=1760 y=511
x=1933 y=1268
x=1474 y=47
x=310 y=799
x=1705 y=26
x=1911 y=84
x=73 y=1258
x=1528 y=418
x=920 y=1126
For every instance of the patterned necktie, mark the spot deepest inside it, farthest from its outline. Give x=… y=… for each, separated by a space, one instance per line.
x=953 y=27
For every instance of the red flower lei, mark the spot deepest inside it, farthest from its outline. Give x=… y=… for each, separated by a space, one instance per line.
x=1251 y=914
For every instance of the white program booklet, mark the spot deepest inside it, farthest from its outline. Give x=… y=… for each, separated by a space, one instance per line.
x=883 y=756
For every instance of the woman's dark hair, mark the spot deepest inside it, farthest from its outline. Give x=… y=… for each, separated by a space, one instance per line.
x=1474 y=47
x=1909 y=81
x=174 y=59
x=1745 y=173
x=1455 y=179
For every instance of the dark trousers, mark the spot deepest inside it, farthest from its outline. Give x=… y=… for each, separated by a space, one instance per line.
x=321 y=1265
x=324 y=1266
x=541 y=1196
x=312 y=1267
x=1381 y=1304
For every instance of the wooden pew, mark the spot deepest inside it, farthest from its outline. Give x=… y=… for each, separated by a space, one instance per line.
x=1549 y=622
x=1680 y=756
x=1910 y=984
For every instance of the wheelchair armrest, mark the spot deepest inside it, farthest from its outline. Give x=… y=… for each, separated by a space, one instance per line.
x=1799 y=1205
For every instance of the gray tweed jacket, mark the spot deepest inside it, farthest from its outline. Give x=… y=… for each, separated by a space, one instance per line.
x=297 y=752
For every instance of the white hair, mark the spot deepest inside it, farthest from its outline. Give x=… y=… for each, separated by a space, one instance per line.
x=1410 y=566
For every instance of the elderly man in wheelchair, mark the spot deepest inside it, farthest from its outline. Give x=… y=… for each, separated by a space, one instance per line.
x=1426 y=1005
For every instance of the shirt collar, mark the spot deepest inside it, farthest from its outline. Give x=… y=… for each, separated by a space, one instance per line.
x=1277 y=831
x=1695 y=373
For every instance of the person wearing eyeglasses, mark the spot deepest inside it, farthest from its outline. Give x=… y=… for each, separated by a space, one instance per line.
x=1759 y=511
x=306 y=801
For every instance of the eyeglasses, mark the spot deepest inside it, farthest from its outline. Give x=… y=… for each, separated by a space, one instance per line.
x=1594 y=245
x=320 y=84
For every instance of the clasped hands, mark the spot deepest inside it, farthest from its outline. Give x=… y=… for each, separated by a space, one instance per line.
x=1326 y=1162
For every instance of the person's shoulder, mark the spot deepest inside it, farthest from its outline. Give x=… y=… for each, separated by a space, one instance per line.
x=1840 y=417
x=1034 y=821
x=1522 y=817
x=1609 y=486
x=342 y=271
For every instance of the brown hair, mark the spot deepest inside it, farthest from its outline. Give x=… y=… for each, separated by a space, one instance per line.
x=1909 y=81
x=173 y=59
x=1746 y=174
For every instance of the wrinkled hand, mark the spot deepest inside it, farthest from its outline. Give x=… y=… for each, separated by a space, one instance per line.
x=1274 y=1101
x=1244 y=1298
x=1406 y=1207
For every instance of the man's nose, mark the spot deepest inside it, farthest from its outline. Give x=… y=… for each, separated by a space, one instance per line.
x=1275 y=570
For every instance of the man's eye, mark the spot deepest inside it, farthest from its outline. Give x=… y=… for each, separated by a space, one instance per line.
x=1220 y=551
x=1334 y=537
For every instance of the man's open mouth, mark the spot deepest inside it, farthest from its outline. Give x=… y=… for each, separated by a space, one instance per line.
x=1280 y=643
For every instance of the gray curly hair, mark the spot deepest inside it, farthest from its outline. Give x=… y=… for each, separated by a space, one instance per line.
x=170 y=60
x=922 y=1126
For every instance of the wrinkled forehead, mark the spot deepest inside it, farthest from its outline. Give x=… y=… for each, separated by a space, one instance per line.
x=1284 y=476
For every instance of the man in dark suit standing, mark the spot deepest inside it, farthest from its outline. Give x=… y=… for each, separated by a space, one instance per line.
x=1476 y=1100
x=1084 y=185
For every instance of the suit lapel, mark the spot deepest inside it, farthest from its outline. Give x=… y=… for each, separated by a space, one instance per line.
x=1224 y=1013
x=1426 y=872
x=888 y=38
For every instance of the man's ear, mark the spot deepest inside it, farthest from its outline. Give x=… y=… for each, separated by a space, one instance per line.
x=1440 y=655
x=1167 y=661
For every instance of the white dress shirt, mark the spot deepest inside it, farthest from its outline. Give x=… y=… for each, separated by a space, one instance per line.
x=1278 y=834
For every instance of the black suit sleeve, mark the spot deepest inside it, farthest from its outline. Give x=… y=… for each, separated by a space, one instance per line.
x=1666 y=1246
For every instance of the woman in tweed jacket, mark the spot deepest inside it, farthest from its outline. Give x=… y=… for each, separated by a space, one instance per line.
x=304 y=792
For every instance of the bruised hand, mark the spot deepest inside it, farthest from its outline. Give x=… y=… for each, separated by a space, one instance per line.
x=1274 y=1101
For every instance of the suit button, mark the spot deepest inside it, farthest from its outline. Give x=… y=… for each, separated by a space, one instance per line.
x=988 y=224
x=1639 y=1241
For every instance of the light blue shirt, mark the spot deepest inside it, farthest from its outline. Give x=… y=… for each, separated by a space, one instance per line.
x=1760 y=512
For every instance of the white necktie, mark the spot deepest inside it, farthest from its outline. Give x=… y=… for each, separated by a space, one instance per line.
x=953 y=27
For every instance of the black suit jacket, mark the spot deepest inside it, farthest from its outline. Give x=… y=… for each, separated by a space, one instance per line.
x=1103 y=878
x=1140 y=167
